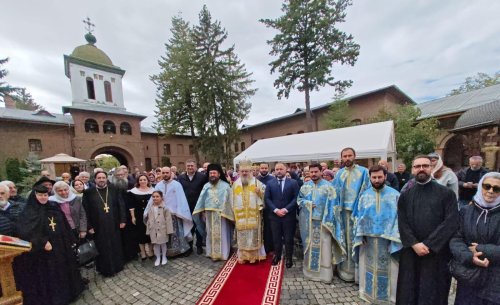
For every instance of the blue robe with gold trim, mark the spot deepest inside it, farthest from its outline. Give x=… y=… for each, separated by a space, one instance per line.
x=376 y=240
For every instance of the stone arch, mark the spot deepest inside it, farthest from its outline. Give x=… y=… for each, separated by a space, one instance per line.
x=455 y=152
x=119 y=152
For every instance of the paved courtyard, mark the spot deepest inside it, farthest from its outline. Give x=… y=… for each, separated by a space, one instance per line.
x=183 y=280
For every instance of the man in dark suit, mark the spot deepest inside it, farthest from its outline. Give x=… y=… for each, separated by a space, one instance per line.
x=265 y=178
x=281 y=200
x=192 y=182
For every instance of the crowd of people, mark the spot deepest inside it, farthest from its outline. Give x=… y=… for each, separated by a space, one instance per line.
x=400 y=236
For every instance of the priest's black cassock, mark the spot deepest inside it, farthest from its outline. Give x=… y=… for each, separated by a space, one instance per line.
x=105 y=211
x=427 y=213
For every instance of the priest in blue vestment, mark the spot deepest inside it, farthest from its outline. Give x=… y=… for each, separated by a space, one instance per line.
x=213 y=214
x=350 y=181
x=376 y=240
x=320 y=227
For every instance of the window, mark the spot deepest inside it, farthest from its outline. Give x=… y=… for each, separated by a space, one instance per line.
x=112 y=79
x=148 y=164
x=109 y=127
x=180 y=149
x=90 y=88
x=107 y=91
x=125 y=128
x=166 y=149
x=356 y=122
x=91 y=126
x=243 y=146
x=100 y=77
x=35 y=144
x=191 y=149
x=236 y=147
x=82 y=73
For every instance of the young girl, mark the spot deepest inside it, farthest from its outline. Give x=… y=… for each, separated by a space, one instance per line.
x=159 y=226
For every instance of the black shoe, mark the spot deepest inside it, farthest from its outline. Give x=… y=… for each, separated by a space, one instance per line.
x=199 y=250
x=289 y=262
x=276 y=260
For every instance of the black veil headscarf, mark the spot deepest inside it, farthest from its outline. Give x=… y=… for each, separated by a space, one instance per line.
x=30 y=225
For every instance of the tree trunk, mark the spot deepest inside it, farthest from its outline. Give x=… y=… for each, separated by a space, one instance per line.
x=309 y=125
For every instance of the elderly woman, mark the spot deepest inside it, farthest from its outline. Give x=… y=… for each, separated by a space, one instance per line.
x=48 y=274
x=443 y=175
x=477 y=244
x=71 y=206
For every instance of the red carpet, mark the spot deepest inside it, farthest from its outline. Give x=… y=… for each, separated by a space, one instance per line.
x=245 y=284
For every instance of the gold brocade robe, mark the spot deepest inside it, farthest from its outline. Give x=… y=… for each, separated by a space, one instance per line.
x=247 y=206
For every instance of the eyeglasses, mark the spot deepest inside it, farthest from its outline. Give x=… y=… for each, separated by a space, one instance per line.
x=487 y=187
x=424 y=166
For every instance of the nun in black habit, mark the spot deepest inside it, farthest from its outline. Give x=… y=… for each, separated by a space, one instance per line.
x=48 y=274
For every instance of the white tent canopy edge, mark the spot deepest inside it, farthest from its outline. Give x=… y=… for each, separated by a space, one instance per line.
x=375 y=140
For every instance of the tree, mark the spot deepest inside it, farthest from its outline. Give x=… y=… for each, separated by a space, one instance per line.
x=338 y=115
x=107 y=162
x=25 y=101
x=222 y=87
x=31 y=170
x=481 y=80
x=308 y=45
x=13 y=170
x=176 y=102
x=5 y=89
x=413 y=136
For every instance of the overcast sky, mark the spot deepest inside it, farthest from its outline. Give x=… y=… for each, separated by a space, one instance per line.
x=425 y=47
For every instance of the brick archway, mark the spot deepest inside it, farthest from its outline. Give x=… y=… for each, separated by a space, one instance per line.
x=121 y=154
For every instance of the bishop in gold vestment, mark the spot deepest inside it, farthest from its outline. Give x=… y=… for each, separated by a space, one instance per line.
x=248 y=205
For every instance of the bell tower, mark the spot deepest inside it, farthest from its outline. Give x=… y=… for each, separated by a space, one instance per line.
x=94 y=79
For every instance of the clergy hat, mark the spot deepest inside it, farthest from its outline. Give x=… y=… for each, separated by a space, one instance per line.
x=44 y=179
x=217 y=167
x=245 y=164
x=38 y=188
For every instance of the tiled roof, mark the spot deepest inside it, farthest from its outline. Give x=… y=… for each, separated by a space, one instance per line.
x=35 y=116
x=98 y=108
x=479 y=116
x=459 y=103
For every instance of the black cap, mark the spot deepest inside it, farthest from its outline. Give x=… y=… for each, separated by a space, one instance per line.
x=42 y=180
x=40 y=189
x=217 y=167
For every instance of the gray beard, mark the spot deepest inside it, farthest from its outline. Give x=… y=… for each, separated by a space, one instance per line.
x=3 y=203
x=121 y=183
x=245 y=180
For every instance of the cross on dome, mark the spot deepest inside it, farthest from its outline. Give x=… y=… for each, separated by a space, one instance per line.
x=89 y=25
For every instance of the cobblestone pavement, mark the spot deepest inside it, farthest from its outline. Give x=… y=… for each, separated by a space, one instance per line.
x=183 y=280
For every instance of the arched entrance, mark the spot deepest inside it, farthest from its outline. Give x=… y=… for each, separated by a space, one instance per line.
x=455 y=154
x=124 y=157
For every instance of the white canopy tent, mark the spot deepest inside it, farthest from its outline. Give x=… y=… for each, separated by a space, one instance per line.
x=375 y=140
x=59 y=163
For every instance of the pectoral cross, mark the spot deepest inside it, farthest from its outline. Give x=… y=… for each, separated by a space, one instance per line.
x=106 y=207
x=52 y=224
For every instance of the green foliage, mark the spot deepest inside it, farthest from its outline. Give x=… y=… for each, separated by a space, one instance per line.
x=308 y=45
x=202 y=87
x=107 y=163
x=31 y=168
x=339 y=115
x=13 y=170
x=481 y=80
x=413 y=136
x=165 y=161
x=5 y=89
x=25 y=101
x=176 y=102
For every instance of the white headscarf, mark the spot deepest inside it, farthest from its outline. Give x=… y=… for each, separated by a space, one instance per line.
x=478 y=198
